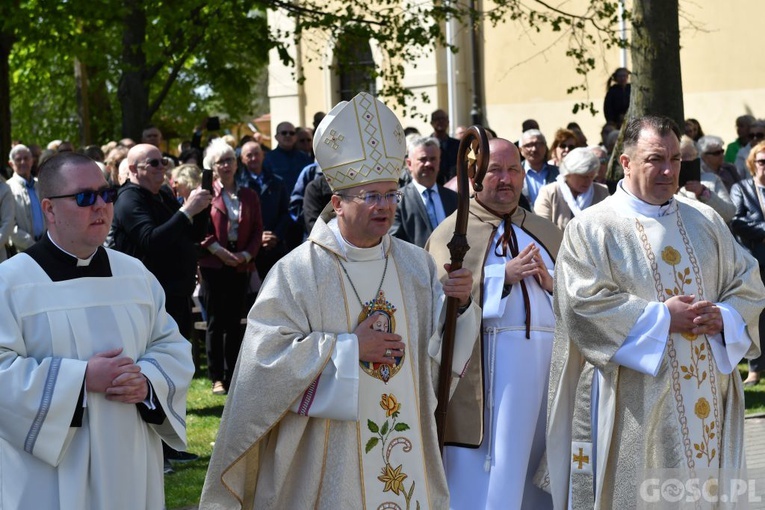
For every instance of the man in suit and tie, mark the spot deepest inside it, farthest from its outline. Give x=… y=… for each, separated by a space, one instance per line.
x=424 y=204
x=538 y=171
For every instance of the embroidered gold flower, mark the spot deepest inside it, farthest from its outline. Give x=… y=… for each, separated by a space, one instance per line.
x=701 y=409
x=390 y=404
x=392 y=478
x=689 y=336
x=671 y=256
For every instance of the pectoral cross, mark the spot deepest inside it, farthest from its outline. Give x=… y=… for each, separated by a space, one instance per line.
x=581 y=458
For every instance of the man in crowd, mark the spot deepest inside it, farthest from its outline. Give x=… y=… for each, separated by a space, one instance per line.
x=153 y=136
x=333 y=400
x=538 y=171
x=274 y=200
x=496 y=420
x=655 y=305
x=152 y=226
x=95 y=371
x=307 y=174
x=439 y=120
x=286 y=160
x=30 y=222
x=743 y=123
x=7 y=217
x=424 y=204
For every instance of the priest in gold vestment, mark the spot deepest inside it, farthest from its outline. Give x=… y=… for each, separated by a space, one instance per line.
x=655 y=305
x=332 y=401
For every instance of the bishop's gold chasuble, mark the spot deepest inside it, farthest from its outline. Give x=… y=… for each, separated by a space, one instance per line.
x=391 y=458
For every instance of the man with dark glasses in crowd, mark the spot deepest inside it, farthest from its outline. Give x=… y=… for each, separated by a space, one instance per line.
x=150 y=225
x=85 y=343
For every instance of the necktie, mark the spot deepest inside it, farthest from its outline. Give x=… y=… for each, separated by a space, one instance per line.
x=38 y=223
x=431 y=207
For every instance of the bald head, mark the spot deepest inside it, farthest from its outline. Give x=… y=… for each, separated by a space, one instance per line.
x=146 y=167
x=252 y=157
x=503 y=183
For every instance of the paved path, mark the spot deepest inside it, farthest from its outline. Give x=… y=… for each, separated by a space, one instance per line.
x=754 y=440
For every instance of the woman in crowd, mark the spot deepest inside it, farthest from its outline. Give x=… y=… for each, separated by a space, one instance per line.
x=617 y=100
x=712 y=156
x=184 y=179
x=693 y=129
x=236 y=231
x=574 y=189
x=113 y=159
x=563 y=143
x=710 y=190
x=748 y=225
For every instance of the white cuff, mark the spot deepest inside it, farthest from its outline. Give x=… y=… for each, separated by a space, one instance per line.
x=643 y=349
x=493 y=280
x=737 y=341
x=335 y=393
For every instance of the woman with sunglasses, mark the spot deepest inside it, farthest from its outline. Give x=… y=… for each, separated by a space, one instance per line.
x=748 y=225
x=563 y=143
x=712 y=157
x=233 y=241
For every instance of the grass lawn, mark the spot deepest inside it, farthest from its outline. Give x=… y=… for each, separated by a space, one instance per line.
x=753 y=395
x=183 y=488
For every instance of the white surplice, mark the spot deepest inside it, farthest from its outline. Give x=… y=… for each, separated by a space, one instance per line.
x=49 y=331
x=498 y=474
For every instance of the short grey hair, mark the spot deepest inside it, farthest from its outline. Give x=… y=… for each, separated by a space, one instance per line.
x=580 y=161
x=215 y=151
x=18 y=148
x=688 y=150
x=422 y=141
x=707 y=142
x=531 y=133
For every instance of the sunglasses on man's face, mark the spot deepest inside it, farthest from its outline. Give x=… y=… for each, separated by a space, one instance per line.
x=155 y=162
x=88 y=197
x=757 y=136
x=287 y=133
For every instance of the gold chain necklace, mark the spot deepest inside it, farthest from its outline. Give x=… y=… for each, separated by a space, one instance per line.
x=379 y=288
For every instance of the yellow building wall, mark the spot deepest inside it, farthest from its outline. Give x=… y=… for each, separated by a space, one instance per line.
x=526 y=74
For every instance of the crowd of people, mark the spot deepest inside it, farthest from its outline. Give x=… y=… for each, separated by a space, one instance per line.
x=587 y=308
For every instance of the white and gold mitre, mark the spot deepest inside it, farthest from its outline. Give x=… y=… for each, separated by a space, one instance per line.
x=360 y=141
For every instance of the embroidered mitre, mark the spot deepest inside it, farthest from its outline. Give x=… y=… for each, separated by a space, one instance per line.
x=359 y=142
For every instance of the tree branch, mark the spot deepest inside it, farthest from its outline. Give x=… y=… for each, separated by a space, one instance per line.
x=174 y=71
x=297 y=9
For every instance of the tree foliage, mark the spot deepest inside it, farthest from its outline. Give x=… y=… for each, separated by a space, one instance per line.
x=170 y=62
x=163 y=62
x=405 y=31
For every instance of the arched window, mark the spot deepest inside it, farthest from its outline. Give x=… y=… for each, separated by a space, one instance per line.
x=356 y=68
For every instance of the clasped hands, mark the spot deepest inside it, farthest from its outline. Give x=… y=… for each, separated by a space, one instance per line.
x=229 y=258
x=119 y=377
x=528 y=263
x=702 y=318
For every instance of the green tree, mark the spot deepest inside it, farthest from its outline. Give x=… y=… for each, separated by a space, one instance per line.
x=138 y=62
x=169 y=63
